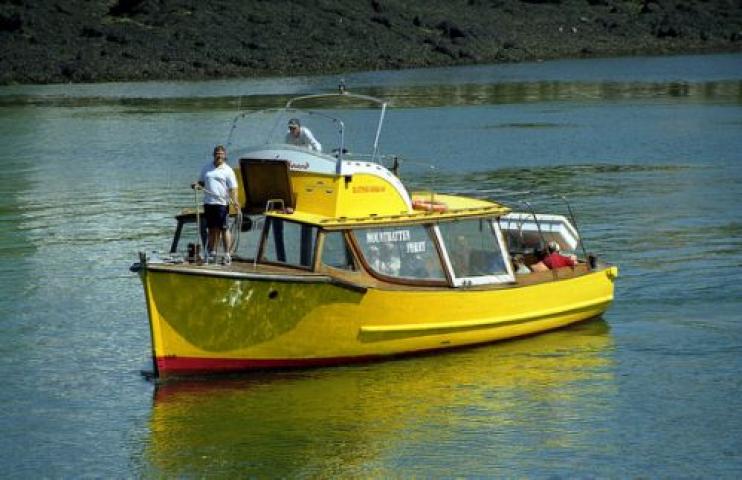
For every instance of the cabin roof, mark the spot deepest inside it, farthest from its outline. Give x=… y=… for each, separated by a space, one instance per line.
x=455 y=207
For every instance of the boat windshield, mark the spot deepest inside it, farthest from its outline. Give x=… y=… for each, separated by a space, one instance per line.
x=401 y=252
x=475 y=251
x=342 y=124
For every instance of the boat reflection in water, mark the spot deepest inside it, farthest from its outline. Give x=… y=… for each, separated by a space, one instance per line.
x=473 y=411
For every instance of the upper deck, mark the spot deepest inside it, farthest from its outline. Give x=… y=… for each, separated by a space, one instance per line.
x=365 y=193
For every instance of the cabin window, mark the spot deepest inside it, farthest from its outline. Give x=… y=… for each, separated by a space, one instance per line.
x=289 y=242
x=335 y=252
x=521 y=241
x=403 y=252
x=526 y=232
x=475 y=251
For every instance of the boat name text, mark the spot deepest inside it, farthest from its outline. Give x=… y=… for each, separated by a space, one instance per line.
x=415 y=247
x=369 y=189
x=384 y=237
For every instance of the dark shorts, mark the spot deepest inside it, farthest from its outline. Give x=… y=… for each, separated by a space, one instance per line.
x=216 y=216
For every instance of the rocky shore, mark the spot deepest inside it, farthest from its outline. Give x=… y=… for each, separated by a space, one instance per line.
x=50 y=41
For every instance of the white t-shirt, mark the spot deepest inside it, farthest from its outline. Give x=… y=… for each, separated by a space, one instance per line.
x=305 y=139
x=218 y=181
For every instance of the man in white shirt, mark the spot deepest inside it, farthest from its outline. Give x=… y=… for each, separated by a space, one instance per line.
x=301 y=136
x=220 y=185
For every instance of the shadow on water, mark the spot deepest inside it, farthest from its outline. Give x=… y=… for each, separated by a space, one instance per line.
x=367 y=420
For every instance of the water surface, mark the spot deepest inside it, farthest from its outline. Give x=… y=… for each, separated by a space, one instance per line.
x=647 y=151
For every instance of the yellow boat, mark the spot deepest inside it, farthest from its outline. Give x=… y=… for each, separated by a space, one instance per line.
x=346 y=265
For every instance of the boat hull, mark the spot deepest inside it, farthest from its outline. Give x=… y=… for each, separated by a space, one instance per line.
x=208 y=323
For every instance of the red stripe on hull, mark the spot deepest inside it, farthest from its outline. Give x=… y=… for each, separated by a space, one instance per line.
x=196 y=366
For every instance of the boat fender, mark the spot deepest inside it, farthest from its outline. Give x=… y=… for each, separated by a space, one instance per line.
x=592 y=261
x=429 y=206
x=612 y=273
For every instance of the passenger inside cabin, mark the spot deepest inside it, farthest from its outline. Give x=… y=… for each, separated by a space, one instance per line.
x=519 y=265
x=554 y=259
x=384 y=259
x=301 y=136
x=460 y=256
x=539 y=266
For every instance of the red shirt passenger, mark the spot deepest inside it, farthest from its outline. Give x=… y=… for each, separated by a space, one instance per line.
x=556 y=260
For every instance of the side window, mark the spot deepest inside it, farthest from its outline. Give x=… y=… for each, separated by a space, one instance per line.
x=473 y=248
x=335 y=252
x=289 y=242
x=403 y=252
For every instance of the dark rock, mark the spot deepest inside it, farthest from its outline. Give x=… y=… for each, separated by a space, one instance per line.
x=450 y=30
x=649 y=7
x=10 y=23
x=666 y=29
x=607 y=24
x=381 y=20
x=467 y=55
x=89 y=32
x=258 y=19
x=60 y=9
x=445 y=51
x=123 y=8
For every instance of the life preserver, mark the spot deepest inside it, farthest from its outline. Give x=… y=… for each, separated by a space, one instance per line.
x=429 y=206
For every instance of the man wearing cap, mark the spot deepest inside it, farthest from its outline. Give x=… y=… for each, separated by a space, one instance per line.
x=301 y=136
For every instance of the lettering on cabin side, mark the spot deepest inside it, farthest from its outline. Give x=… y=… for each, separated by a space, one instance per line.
x=299 y=166
x=415 y=247
x=384 y=237
x=369 y=189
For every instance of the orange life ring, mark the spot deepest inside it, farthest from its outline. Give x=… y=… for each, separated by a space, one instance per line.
x=429 y=206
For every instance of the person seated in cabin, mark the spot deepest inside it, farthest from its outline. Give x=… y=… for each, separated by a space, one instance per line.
x=301 y=136
x=539 y=266
x=459 y=255
x=384 y=260
x=519 y=264
x=554 y=259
